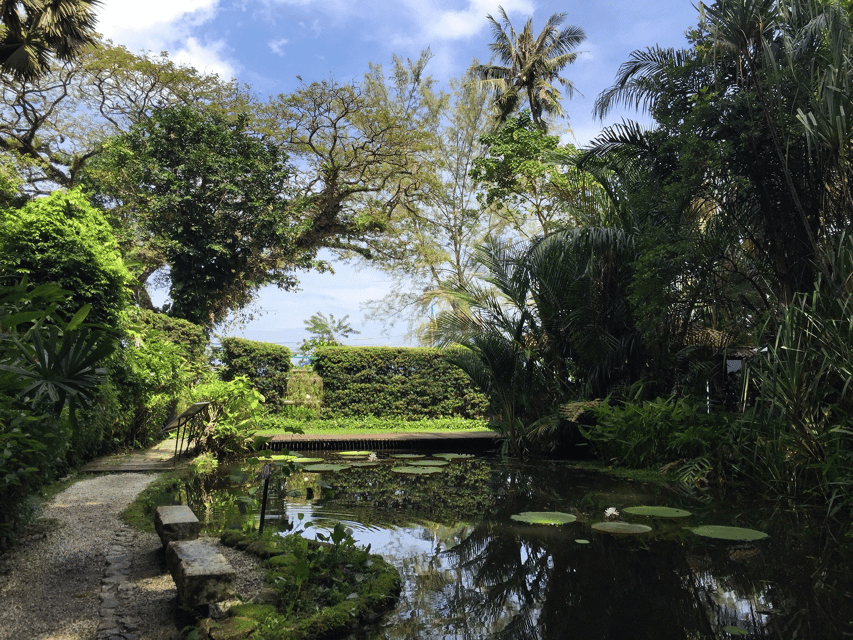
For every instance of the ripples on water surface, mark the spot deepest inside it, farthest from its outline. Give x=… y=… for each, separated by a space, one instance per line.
x=470 y=571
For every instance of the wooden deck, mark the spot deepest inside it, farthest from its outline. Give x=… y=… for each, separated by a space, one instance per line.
x=471 y=440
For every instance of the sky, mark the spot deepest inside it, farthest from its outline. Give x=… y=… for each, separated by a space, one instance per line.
x=268 y=43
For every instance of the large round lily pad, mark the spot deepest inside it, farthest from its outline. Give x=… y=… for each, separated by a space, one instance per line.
x=289 y=457
x=416 y=471
x=544 y=517
x=429 y=463
x=363 y=464
x=324 y=468
x=729 y=533
x=620 y=528
x=657 y=512
x=454 y=456
x=354 y=454
x=408 y=456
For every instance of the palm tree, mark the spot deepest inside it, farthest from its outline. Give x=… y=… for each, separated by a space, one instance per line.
x=32 y=32
x=530 y=66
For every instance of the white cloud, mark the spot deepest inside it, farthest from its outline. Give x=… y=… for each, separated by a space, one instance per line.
x=277 y=46
x=166 y=25
x=205 y=57
x=452 y=25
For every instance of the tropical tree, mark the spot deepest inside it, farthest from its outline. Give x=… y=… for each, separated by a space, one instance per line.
x=32 y=32
x=51 y=125
x=197 y=191
x=529 y=66
x=428 y=244
x=325 y=331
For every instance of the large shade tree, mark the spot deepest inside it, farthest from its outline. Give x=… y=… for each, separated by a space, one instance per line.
x=528 y=66
x=196 y=191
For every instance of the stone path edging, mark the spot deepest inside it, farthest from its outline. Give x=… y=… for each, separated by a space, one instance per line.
x=116 y=622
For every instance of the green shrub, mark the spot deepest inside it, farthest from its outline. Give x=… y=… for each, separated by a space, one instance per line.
x=305 y=389
x=64 y=240
x=648 y=434
x=264 y=364
x=231 y=419
x=395 y=382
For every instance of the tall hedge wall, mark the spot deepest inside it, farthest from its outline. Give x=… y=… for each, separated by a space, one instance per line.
x=395 y=382
x=266 y=365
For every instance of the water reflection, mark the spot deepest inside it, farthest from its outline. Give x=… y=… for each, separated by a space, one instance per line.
x=471 y=572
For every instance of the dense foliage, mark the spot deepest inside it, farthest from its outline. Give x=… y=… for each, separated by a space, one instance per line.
x=395 y=382
x=64 y=240
x=265 y=365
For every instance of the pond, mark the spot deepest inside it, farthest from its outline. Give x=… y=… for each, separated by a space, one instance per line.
x=472 y=571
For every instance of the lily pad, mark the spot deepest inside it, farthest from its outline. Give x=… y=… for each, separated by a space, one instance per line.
x=454 y=456
x=544 y=517
x=354 y=454
x=657 y=512
x=363 y=464
x=416 y=471
x=323 y=468
x=620 y=528
x=429 y=463
x=735 y=631
x=582 y=541
x=729 y=533
x=408 y=456
x=290 y=457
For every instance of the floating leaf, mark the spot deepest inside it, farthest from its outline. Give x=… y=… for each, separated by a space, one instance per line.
x=429 y=463
x=364 y=464
x=735 y=631
x=582 y=541
x=620 y=528
x=657 y=512
x=416 y=471
x=354 y=454
x=729 y=533
x=454 y=456
x=321 y=468
x=289 y=457
x=408 y=456
x=544 y=517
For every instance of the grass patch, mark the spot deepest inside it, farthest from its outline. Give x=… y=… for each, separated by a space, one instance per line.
x=277 y=425
x=139 y=514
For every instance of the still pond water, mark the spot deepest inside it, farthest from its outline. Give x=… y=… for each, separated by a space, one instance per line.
x=471 y=571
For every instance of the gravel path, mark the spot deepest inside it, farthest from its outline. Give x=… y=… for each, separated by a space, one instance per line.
x=94 y=578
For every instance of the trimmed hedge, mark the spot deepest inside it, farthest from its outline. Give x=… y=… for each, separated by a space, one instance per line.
x=395 y=382
x=266 y=365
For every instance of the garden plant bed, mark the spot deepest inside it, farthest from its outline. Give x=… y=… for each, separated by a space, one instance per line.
x=316 y=589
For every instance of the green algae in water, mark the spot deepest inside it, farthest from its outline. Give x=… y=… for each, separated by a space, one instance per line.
x=621 y=528
x=323 y=468
x=719 y=532
x=657 y=512
x=544 y=517
x=415 y=471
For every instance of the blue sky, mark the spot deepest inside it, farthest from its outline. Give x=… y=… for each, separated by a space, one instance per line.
x=267 y=43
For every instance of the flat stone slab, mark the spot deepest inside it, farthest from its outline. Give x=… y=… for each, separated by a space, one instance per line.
x=202 y=575
x=174 y=523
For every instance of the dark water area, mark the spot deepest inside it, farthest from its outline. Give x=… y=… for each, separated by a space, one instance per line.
x=471 y=571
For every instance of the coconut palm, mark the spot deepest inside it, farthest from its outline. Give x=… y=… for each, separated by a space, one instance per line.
x=530 y=65
x=32 y=32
